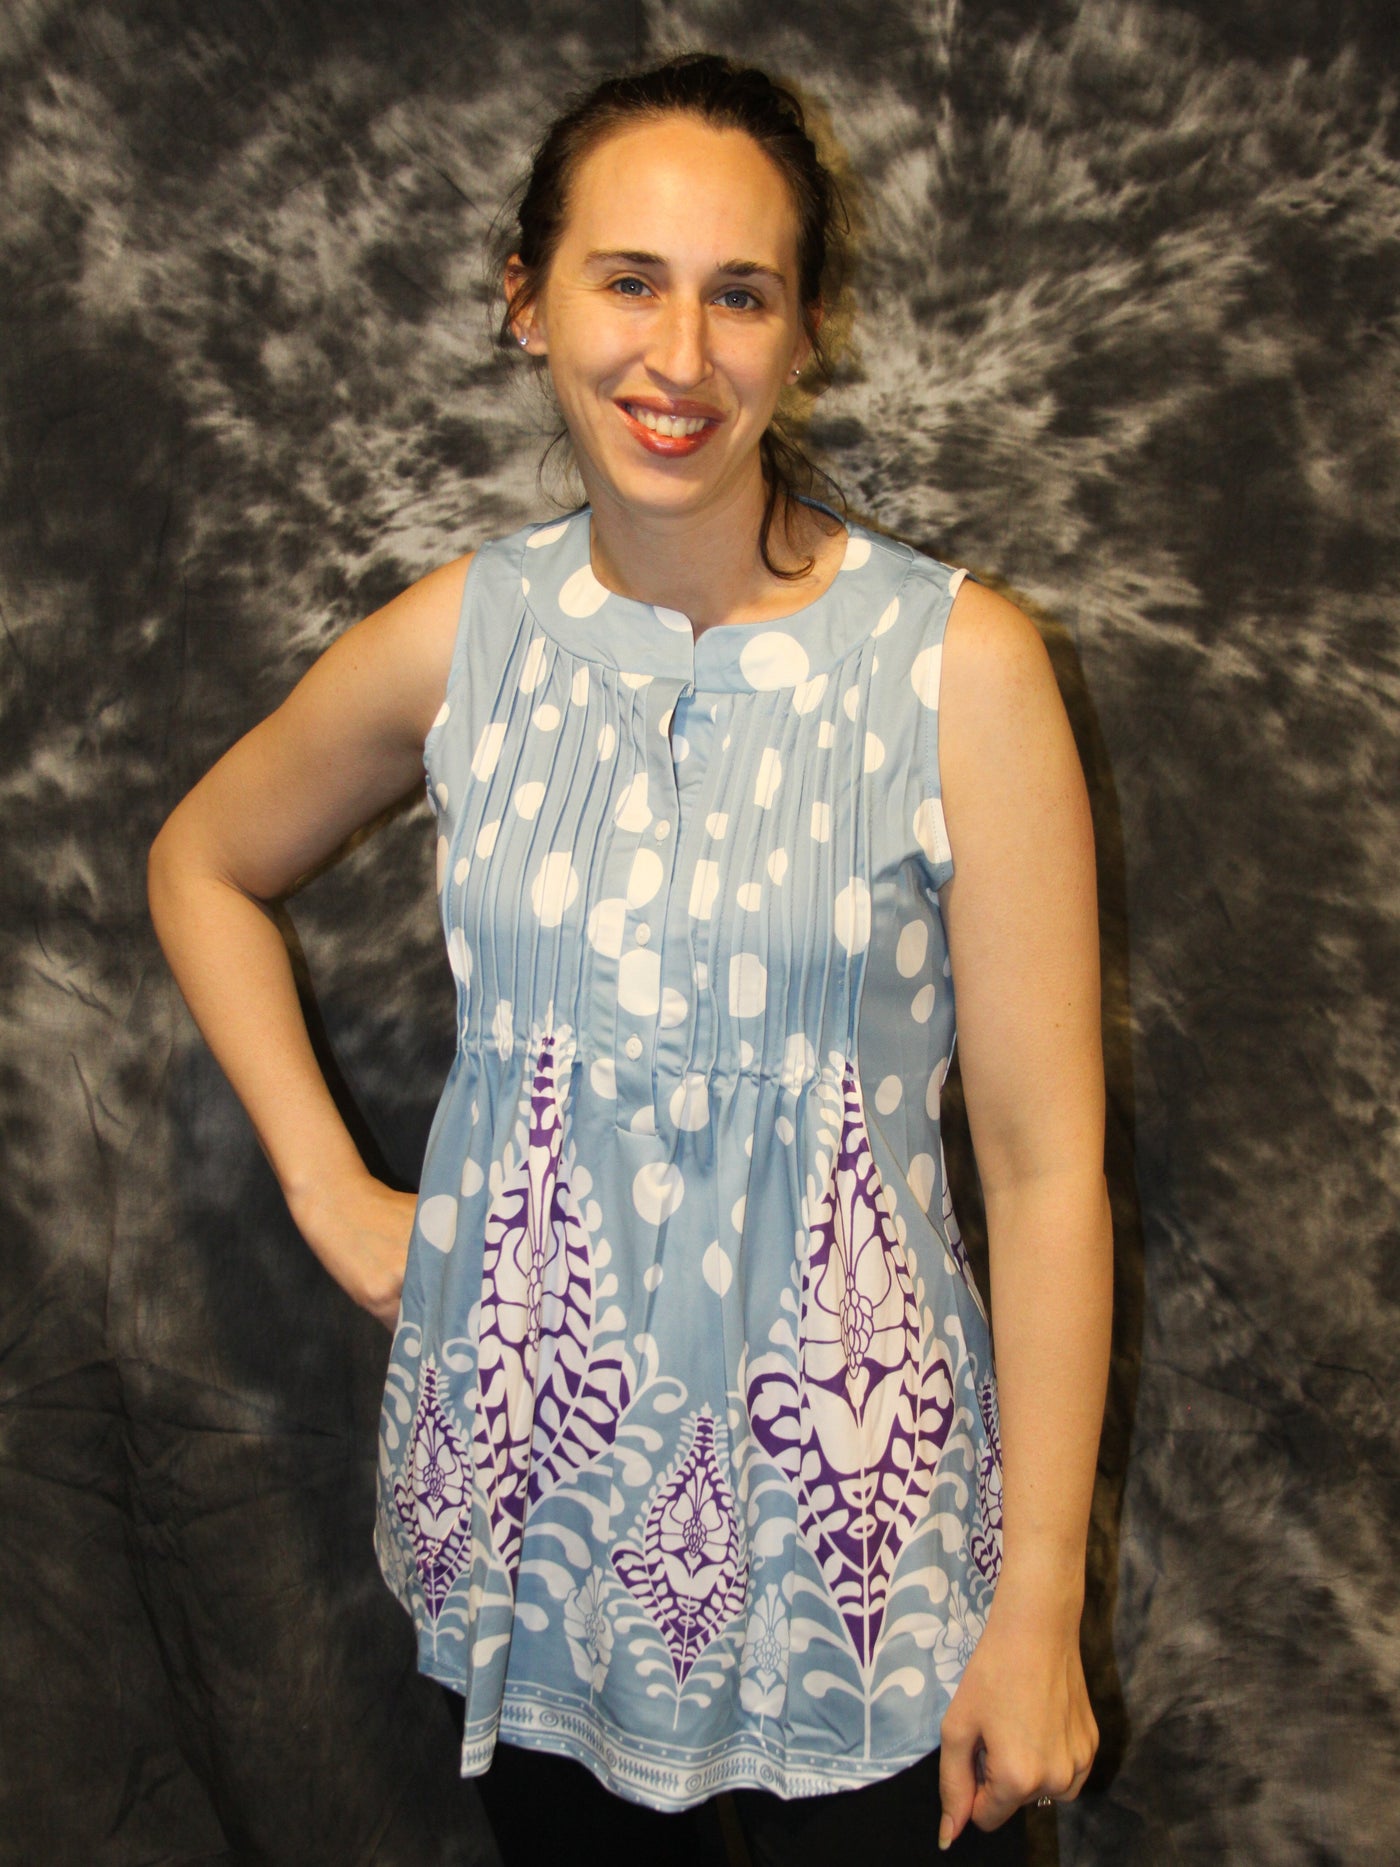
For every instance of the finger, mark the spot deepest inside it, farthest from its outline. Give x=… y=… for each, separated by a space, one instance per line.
x=1077 y=1782
x=993 y=1806
x=957 y=1785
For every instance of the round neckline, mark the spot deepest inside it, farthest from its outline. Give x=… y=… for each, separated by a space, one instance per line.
x=763 y=622
x=569 y=602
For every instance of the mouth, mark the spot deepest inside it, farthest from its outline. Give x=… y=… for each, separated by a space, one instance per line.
x=668 y=432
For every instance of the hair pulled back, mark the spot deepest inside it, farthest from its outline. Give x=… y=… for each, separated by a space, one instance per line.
x=726 y=95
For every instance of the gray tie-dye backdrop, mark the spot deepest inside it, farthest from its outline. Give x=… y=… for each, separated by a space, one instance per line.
x=1126 y=339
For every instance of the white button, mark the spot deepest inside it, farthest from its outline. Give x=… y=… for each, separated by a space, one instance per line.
x=633 y=1047
x=643 y=932
x=663 y=829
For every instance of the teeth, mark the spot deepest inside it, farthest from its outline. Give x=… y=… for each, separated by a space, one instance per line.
x=665 y=424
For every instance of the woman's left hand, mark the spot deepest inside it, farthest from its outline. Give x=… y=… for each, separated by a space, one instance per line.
x=1020 y=1725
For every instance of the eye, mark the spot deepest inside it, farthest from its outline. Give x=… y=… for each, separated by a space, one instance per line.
x=739 y=291
x=623 y=287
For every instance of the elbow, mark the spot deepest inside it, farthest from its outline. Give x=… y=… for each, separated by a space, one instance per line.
x=169 y=857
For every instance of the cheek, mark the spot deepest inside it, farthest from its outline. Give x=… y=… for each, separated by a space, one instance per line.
x=591 y=352
x=760 y=378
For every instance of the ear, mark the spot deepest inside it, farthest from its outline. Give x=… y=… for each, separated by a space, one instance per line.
x=529 y=326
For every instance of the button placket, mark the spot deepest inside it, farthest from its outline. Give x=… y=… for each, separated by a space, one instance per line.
x=658 y=843
x=689 y=928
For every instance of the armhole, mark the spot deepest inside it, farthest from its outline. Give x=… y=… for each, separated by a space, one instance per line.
x=457 y=666
x=938 y=851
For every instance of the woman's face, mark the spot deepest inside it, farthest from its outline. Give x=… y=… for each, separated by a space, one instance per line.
x=670 y=314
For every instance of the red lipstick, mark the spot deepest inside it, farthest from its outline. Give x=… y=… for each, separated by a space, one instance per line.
x=670 y=446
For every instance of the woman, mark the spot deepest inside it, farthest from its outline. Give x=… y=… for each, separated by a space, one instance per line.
x=694 y=1465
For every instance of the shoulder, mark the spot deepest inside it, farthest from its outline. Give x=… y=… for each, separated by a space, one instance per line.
x=995 y=664
x=417 y=632
x=420 y=621
x=391 y=668
x=921 y=587
x=1009 y=763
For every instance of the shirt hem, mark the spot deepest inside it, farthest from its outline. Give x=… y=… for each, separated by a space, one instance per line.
x=624 y=1768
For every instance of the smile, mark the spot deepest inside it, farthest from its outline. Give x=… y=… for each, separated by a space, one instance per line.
x=665 y=424
x=668 y=435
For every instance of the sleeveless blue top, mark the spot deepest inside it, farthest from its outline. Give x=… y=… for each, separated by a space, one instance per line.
x=689 y=1464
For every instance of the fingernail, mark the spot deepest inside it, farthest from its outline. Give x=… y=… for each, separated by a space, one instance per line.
x=945 y=1834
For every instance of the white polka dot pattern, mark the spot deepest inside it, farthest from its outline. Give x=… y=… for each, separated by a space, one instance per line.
x=703 y=889
x=536 y=665
x=912 y=949
x=770 y=776
x=690 y=1102
x=639 y=982
x=807 y=694
x=853 y=915
x=675 y=1008
x=645 y=878
x=773 y=659
x=488 y=750
x=921 y=1176
x=657 y=1190
x=717 y=1268
x=702 y=1038
x=926 y=673
x=748 y=985
x=554 y=888
x=607 y=926
x=437 y=1221
x=582 y=595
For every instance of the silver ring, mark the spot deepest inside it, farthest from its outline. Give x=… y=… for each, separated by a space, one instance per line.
x=1045 y=1802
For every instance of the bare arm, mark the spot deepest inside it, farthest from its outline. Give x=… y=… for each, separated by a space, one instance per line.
x=347 y=742
x=1021 y=914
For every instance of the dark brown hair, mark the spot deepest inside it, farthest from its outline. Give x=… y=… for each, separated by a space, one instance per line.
x=728 y=96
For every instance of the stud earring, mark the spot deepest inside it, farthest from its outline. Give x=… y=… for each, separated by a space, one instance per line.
x=523 y=341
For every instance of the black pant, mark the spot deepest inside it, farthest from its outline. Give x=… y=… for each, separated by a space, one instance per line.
x=544 y=1809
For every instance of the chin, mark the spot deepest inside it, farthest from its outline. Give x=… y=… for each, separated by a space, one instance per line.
x=661 y=490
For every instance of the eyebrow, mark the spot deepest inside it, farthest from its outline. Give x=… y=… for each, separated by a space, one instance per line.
x=735 y=268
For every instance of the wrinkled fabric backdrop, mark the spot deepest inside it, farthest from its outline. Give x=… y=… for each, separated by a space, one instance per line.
x=1125 y=340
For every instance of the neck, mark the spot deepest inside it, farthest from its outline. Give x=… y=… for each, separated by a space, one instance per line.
x=706 y=564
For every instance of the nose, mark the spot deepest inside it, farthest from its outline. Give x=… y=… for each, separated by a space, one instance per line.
x=679 y=351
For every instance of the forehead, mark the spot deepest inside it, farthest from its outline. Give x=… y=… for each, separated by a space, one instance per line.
x=678 y=185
